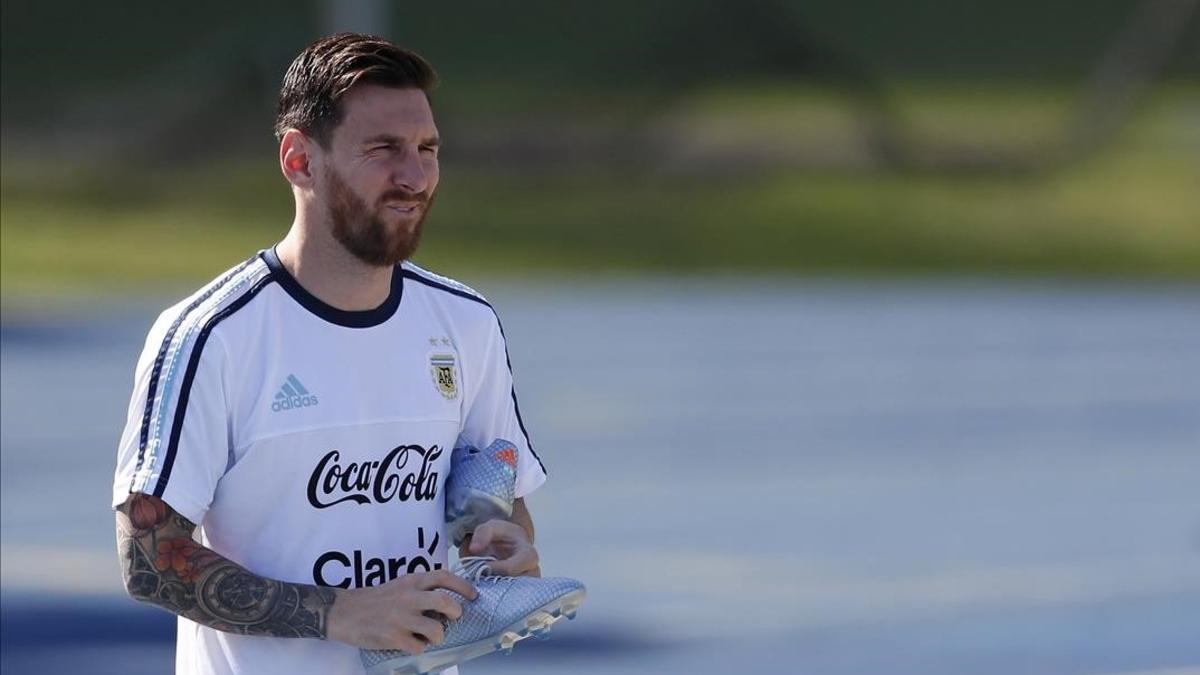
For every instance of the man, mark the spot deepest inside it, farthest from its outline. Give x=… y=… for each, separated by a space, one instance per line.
x=280 y=479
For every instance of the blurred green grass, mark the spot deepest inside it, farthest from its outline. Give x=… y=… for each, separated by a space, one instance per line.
x=1131 y=209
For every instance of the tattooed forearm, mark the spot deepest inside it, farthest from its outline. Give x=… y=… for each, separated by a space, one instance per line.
x=163 y=565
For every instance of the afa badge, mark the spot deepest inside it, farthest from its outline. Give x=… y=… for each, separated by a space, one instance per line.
x=441 y=366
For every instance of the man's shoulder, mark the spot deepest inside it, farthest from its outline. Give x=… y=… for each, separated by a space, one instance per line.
x=448 y=291
x=225 y=293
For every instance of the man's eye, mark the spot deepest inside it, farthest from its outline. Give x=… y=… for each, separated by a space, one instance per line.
x=429 y=148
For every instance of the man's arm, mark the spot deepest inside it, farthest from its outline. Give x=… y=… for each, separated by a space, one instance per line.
x=161 y=564
x=521 y=516
x=511 y=541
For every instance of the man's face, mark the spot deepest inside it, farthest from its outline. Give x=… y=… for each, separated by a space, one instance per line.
x=379 y=175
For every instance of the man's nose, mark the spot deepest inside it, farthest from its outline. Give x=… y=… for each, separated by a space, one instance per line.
x=409 y=173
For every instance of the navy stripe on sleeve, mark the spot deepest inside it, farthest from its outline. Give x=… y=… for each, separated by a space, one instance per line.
x=513 y=390
x=190 y=375
x=156 y=371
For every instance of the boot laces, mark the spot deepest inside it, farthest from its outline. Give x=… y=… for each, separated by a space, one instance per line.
x=477 y=568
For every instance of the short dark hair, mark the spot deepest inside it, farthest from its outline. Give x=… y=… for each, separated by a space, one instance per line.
x=322 y=75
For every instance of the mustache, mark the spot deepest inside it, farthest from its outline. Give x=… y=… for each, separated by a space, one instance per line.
x=421 y=198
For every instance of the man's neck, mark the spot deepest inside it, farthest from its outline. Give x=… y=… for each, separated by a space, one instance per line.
x=331 y=273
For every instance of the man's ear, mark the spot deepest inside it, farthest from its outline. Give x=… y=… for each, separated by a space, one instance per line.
x=296 y=158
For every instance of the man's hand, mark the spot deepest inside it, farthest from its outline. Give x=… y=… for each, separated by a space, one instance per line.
x=509 y=543
x=398 y=614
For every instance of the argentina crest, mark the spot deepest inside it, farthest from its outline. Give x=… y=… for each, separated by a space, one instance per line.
x=445 y=377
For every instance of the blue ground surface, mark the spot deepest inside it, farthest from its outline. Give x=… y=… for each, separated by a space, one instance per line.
x=751 y=476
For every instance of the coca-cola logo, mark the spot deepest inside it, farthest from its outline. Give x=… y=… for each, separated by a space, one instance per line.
x=396 y=477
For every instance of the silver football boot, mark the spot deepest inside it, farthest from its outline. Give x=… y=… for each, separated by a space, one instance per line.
x=508 y=610
x=482 y=486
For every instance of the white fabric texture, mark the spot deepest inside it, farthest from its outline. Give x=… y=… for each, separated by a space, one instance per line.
x=312 y=446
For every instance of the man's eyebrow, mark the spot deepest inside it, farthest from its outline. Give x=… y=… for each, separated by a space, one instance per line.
x=387 y=139
x=390 y=139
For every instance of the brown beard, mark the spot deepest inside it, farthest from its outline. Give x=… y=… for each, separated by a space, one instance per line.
x=363 y=233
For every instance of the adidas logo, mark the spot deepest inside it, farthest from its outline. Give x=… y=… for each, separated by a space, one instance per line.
x=508 y=455
x=292 y=395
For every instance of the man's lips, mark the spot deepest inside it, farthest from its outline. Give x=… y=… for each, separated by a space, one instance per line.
x=405 y=208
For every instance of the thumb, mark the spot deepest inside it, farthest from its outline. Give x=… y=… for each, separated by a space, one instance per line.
x=480 y=540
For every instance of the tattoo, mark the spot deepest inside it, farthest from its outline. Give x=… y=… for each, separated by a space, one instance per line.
x=163 y=565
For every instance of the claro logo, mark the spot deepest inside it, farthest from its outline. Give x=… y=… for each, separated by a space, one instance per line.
x=357 y=569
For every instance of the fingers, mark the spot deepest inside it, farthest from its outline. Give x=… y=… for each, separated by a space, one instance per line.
x=448 y=581
x=509 y=542
x=429 y=630
x=523 y=561
x=443 y=604
x=496 y=531
x=404 y=641
x=481 y=538
x=410 y=613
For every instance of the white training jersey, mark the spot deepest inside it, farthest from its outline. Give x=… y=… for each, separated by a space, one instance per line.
x=312 y=444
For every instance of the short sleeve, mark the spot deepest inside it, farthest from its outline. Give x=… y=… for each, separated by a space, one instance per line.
x=493 y=412
x=175 y=444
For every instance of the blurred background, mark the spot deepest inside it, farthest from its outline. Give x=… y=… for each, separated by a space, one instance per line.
x=856 y=337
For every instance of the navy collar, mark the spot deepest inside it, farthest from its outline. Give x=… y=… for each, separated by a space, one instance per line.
x=350 y=319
